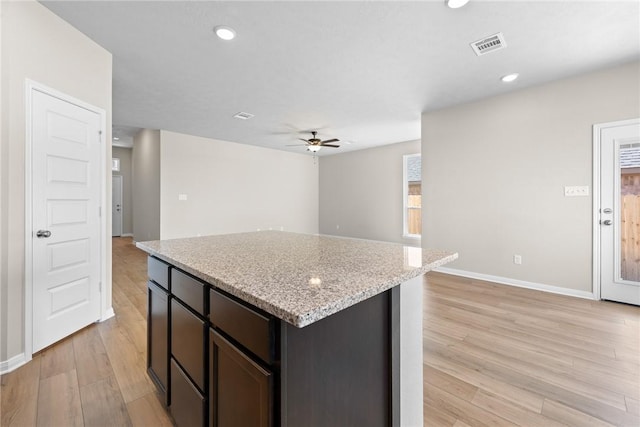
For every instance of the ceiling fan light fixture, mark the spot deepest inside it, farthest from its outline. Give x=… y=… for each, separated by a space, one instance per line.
x=225 y=33
x=314 y=148
x=455 y=4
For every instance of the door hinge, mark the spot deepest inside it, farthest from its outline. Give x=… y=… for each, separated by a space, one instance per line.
x=100 y=211
x=100 y=286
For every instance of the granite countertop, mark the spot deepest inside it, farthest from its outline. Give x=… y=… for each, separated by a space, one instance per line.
x=299 y=278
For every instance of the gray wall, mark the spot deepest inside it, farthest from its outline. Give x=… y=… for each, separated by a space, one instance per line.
x=234 y=187
x=38 y=45
x=145 y=160
x=361 y=192
x=495 y=172
x=124 y=154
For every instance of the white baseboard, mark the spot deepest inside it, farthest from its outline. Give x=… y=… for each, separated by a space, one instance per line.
x=518 y=283
x=15 y=362
x=108 y=315
x=126 y=235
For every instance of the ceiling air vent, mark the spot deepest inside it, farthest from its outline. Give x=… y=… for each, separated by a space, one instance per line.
x=489 y=44
x=243 y=116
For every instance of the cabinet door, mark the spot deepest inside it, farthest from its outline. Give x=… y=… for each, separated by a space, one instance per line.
x=158 y=336
x=240 y=390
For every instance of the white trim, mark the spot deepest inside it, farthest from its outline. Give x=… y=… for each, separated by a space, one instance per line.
x=597 y=132
x=105 y=306
x=12 y=364
x=126 y=235
x=107 y=315
x=517 y=283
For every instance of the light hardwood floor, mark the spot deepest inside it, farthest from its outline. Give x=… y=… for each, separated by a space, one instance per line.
x=98 y=376
x=494 y=355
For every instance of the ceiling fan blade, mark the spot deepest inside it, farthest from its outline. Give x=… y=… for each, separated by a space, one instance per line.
x=330 y=140
x=296 y=145
x=304 y=140
x=330 y=145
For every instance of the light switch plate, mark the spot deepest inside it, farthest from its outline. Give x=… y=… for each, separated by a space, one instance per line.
x=576 y=190
x=182 y=197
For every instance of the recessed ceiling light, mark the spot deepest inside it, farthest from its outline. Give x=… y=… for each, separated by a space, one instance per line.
x=225 y=33
x=115 y=138
x=509 y=77
x=454 y=4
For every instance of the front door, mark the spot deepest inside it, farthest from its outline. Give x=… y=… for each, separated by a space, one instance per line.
x=66 y=171
x=619 y=210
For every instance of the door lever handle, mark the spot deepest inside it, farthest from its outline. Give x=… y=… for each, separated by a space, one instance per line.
x=43 y=234
x=606 y=222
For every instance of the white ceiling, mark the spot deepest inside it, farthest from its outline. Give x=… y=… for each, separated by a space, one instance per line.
x=359 y=71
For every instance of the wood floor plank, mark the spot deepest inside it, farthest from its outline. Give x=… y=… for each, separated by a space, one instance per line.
x=433 y=416
x=102 y=404
x=525 y=398
x=128 y=364
x=570 y=416
x=57 y=359
x=91 y=359
x=59 y=401
x=461 y=409
x=447 y=382
x=19 y=395
x=147 y=411
x=512 y=412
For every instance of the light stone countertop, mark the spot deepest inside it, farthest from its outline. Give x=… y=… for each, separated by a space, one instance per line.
x=299 y=278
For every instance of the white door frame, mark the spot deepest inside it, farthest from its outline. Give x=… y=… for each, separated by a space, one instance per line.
x=105 y=310
x=597 y=259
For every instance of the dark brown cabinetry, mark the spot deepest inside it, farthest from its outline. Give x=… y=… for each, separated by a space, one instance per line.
x=188 y=342
x=221 y=362
x=240 y=390
x=158 y=326
x=188 y=405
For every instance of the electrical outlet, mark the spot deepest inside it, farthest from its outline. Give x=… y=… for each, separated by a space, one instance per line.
x=576 y=190
x=182 y=197
x=517 y=259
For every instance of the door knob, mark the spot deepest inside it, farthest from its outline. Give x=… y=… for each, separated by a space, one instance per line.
x=43 y=234
x=606 y=222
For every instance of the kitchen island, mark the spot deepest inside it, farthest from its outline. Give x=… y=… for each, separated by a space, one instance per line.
x=282 y=329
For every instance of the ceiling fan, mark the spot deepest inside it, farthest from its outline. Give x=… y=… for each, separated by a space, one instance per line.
x=315 y=144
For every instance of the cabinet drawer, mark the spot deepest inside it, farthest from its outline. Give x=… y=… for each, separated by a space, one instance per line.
x=188 y=406
x=191 y=291
x=158 y=271
x=188 y=335
x=251 y=329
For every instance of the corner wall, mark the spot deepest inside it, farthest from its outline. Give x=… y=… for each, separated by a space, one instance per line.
x=495 y=171
x=361 y=193
x=38 y=45
x=233 y=188
x=145 y=168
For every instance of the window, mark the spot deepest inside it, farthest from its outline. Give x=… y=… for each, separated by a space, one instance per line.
x=412 y=195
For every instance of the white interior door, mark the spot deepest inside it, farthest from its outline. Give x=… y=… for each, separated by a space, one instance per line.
x=116 y=205
x=66 y=170
x=619 y=211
